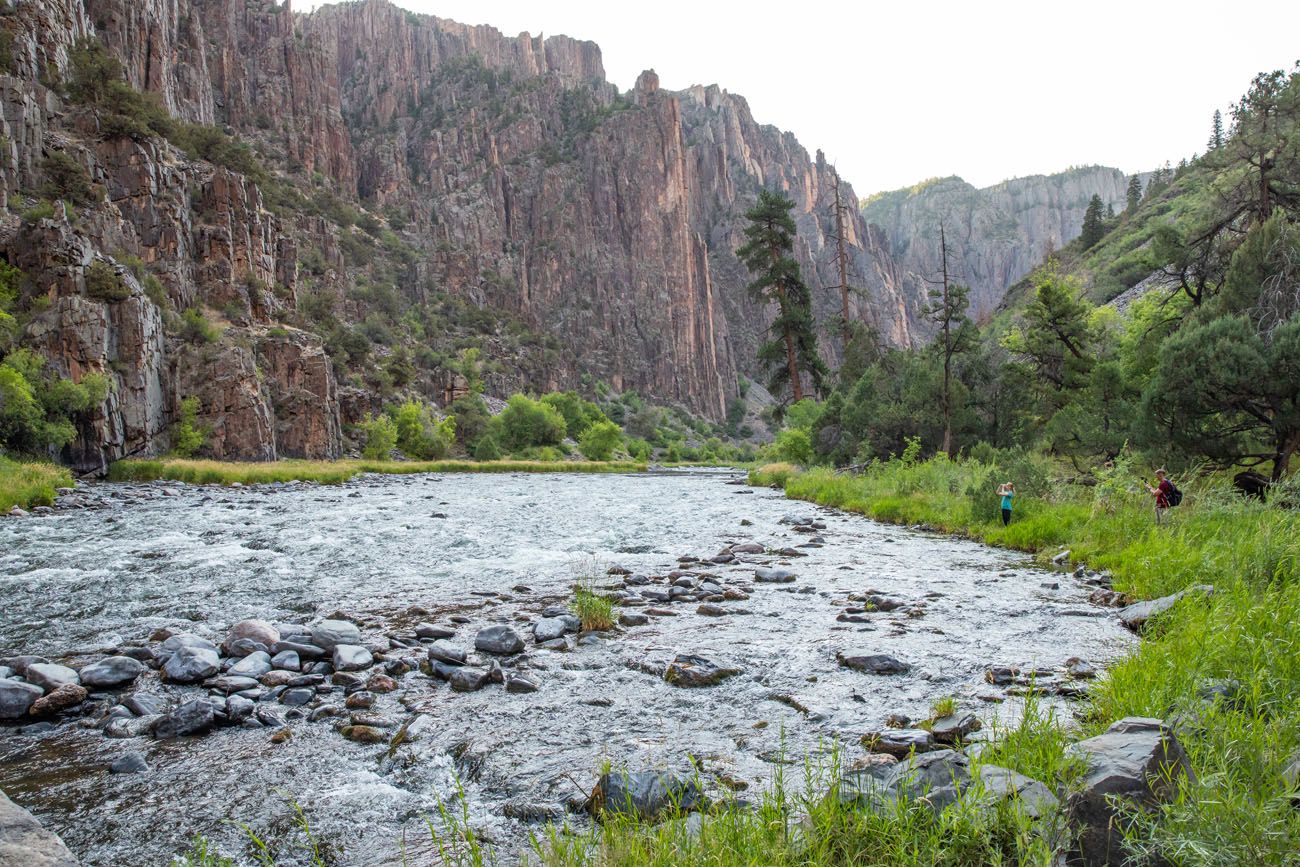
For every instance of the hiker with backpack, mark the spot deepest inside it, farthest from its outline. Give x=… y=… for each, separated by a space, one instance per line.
x=1166 y=494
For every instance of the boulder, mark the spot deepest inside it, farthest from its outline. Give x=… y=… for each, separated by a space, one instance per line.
x=129 y=763
x=899 y=742
x=644 y=794
x=1137 y=762
x=144 y=704
x=499 y=639
x=1003 y=784
x=24 y=842
x=688 y=670
x=954 y=727
x=351 y=657
x=297 y=696
x=1135 y=616
x=50 y=676
x=255 y=631
x=60 y=698
x=253 y=665
x=175 y=642
x=773 y=575
x=464 y=679
x=747 y=548
x=430 y=630
x=711 y=609
x=192 y=718
x=287 y=660
x=548 y=628
x=16 y=697
x=441 y=651
x=328 y=634
x=518 y=683
x=190 y=664
x=936 y=779
x=871 y=662
x=364 y=734
x=111 y=672
x=631 y=618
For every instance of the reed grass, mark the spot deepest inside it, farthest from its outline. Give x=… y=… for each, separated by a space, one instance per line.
x=208 y=472
x=30 y=483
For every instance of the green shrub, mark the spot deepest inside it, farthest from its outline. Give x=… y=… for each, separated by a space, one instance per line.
x=487 y=449
x=190 y=437
x=544 y=454
x=37 y=212
x=420 y=435
x=65 y=178
x=26 y=484
x=525 y=423
x=794 y=446
x=578 y=414
x=195 y=328
x=600 y=440
x=103 y=283
x=595 y=611
x=472 y=418
x=37 y=406
x=381 y=437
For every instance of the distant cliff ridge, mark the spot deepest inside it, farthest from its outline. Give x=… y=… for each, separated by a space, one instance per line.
x=996 y=235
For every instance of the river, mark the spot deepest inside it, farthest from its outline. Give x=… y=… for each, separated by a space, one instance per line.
x=487 y=549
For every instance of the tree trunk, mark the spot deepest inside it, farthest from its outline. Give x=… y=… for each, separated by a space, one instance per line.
x=1282 y=458
x=796 y=387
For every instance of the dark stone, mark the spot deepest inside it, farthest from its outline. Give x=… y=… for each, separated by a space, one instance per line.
x=872 y=663
x=16 y=697
x=645 y=794
x=328 y=634
x=899 y=742
x=954 y=727
x=431 y=630
x=1137 y=763
x=518 y=683
x=499 y=639
x=1135 y=616
x=297 y=697
x=465 y=679
x=192 y=718
x=687 y=670
x=631 y=618
x=129 y=763
x=773 y=575
x=441 y=651
x=111 y=672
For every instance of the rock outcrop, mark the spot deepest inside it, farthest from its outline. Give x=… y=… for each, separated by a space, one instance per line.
x=996 y=235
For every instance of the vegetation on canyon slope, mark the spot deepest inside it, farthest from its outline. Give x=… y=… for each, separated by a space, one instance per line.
x=29 y=483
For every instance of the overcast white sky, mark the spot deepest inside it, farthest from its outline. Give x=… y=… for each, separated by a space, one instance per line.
x=902 y=91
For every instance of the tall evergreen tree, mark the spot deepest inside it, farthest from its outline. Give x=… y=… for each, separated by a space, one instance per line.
x=1093 y=227
x=1216 y=132
x=791 y=353
x=1134 y=193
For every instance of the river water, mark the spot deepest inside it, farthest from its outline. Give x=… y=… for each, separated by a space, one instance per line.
x=495 y=548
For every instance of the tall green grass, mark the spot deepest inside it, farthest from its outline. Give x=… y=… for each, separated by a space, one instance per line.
x=206 y=472
x=1237 y=809
x=26 y=484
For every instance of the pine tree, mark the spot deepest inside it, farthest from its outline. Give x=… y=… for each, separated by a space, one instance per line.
x=947 y=308
x=791 y=353
x=1093 y=227
x=1216 y=132
x=1134 y=193
x=1110 y=211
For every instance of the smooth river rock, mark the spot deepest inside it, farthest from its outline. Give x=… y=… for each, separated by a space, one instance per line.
x=192 y=718
x=328 y=634
x=499 y=639
x=50 y=676
x=688 y=670
x=255 y=631
x=644 y=794
x=254 y=665
x=111 y=672
x=24 y=843
x=351 y=657
x=190 y=664
x=871 y=662
x=16 y=697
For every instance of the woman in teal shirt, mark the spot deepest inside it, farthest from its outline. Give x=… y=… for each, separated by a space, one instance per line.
x=1007 y=492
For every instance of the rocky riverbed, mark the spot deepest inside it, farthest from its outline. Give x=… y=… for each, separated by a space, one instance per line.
x=177 y=657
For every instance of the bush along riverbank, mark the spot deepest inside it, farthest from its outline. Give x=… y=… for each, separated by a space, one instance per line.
x=29 y=485
x=1219 y=668
x=207 y=472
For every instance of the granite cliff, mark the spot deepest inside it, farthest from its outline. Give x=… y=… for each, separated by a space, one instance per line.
x=357 y=194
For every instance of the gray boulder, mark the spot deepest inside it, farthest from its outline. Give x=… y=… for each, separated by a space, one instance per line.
x=287 y=660
x=441 y=651
x=1004 y=784
x=871 y=662
x=645 y=794
x=145 y=704
x=548 y=628
x=329 y=634
x=254 y=631
x=431 y=630
x=1137 y=763
x=773 y=575
x=464 y=679
x=129 y=763
x=688 y=670
x=1135 y=616
x=254 y=665
x=183 y=639
x=936 y=779
x=631 y=618
x=190 y=664
x=351 y=657
x=50 y=676
x=16 y=697
x=192 y=718
x=954 y=727
x=111 y=672
x=499 y=639
x=900 y=742
x=24 y=842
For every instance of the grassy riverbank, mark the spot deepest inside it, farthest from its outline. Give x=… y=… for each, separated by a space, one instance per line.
x=201 y=472
x=25 y=484
x=1238 y=809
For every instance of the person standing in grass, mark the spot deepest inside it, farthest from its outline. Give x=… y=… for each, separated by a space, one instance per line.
x=1162 y=491
x=1007 y=492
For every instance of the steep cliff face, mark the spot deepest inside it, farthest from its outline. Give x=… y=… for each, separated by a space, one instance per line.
x=995 y=235
x=422 y=186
